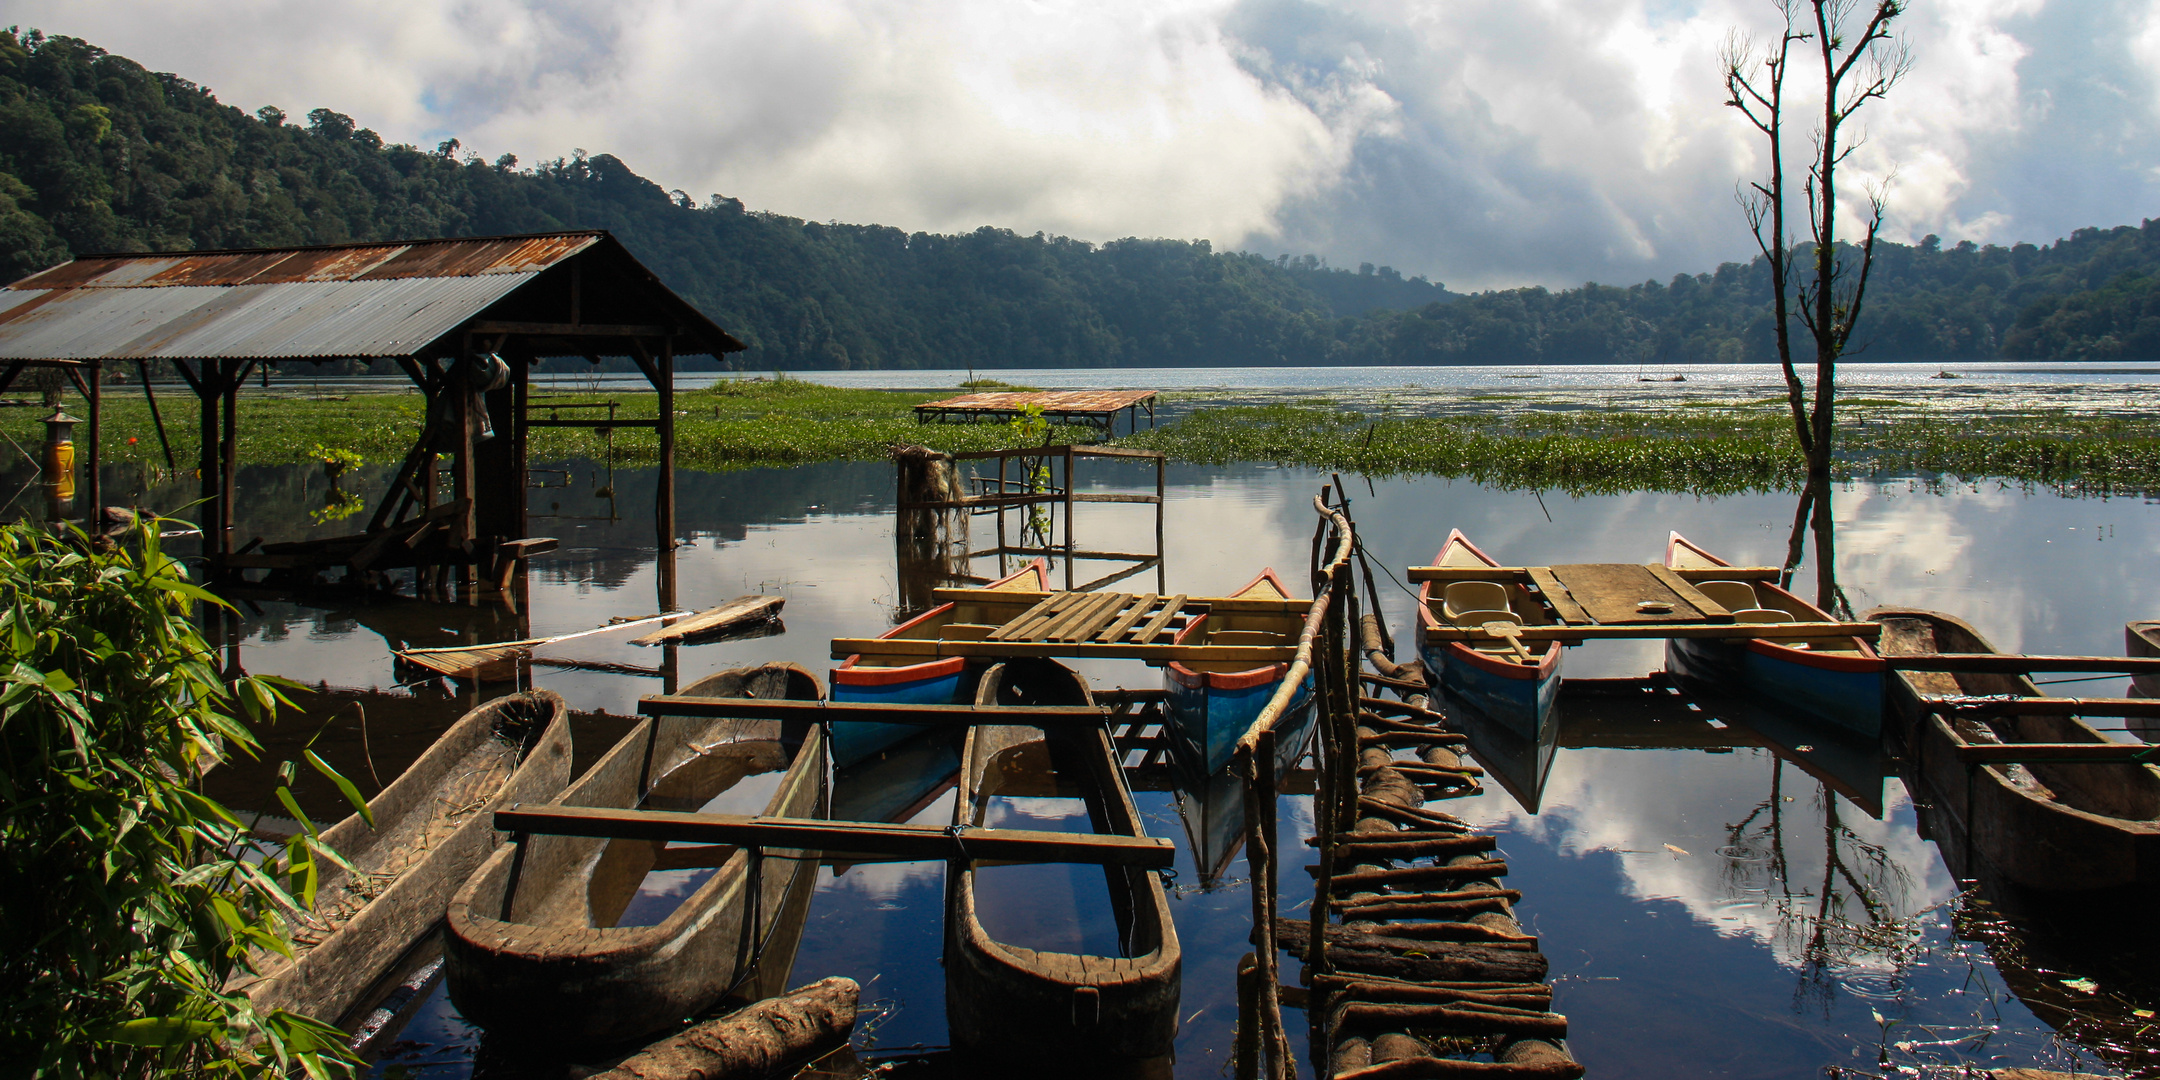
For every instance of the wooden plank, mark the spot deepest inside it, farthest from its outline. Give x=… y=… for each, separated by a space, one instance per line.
x=1563 y=603
x=1109 y=498
x=740 y=609
x=1711 y=609
x=1170 y=609
x=1077 y=616
x=2015 y=664
x=1141 y=605
x=2062 y=753
x=1240 y=605
x=1098 y=617
x=1611 y=593
x=1022 y=625
x=878 y=838
x=1688 y=573
x=1766 y=631
x=2045 y=706
x=879 y=712
x=1121 y=650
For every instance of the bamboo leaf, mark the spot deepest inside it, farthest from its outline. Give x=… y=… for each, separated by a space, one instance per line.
x=352 y=794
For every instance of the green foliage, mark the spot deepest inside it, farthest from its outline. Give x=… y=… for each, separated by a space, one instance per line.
x=127 y=899
x=334 y=459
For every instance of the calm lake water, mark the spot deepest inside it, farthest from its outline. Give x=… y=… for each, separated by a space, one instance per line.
x=1709 y=907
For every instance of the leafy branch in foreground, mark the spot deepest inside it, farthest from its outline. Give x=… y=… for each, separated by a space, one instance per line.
x=128 y=900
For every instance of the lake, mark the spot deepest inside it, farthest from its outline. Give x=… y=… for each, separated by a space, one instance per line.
x=1709 y=906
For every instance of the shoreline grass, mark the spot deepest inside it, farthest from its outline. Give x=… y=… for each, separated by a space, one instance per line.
x=1689 y=447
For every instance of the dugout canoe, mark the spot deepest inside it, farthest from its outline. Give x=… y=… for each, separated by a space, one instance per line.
x=1833 y=679
x=574 y=942
x=1211 y=704
x=900 y=679
x=1516 y=691
x=1102 y=1013
x=2051 y=826
x=433 y=828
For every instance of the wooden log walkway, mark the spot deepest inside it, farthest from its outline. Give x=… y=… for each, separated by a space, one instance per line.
x=1427 y=972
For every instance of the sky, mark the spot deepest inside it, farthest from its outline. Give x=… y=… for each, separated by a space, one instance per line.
x=1482 y=143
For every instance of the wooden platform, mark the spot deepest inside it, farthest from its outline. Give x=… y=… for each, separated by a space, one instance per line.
x=1627 y=600
x=1093 y=408
x=1074 y=624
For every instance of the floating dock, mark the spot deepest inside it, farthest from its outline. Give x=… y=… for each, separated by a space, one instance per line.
x=1098 y=409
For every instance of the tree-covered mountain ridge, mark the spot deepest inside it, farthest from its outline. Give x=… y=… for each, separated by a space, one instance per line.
x=98 y=153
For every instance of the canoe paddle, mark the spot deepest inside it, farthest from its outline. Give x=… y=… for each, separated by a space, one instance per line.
x=1512 y=634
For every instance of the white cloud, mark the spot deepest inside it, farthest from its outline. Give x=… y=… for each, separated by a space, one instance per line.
x=1486 y=143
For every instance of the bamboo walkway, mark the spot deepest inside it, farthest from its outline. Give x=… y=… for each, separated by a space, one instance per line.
x=1427 y=972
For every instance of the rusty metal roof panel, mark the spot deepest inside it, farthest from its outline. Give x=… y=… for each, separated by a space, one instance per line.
x=506 y=255
x=1052 y=401
x=393 y=317
x=347 y=262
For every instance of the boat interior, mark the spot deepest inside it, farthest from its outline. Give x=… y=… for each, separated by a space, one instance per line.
x=1759 y=601
x=1475 y=602
x=1243 y=627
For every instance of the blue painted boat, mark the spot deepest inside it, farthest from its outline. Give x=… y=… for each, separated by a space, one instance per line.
x=1211 y=704
x=1836 y=679
x=897 y=679
x=1515 y=690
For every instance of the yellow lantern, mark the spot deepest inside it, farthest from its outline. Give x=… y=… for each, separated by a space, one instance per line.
x=60 y=454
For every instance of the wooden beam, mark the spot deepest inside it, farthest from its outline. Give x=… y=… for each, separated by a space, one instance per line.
x=1687 y=573
x=571 y=330
x=1255 y=654
x=2013 y=664
x=1711 y=609
x=1222 y=604
x=876 y=711
x=874 y=838
x=1562 y=601
x=1767 y=631
x=2061 y=753
x=2043 y=706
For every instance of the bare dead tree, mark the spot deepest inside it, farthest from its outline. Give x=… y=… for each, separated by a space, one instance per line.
x=1856 y=68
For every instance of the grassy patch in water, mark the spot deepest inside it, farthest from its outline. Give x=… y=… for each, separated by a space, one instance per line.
x=733 y=424
x=1592 y=452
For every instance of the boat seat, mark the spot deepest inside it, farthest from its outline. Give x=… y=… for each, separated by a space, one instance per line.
x=1762 y=615
x=1730 y=595
x=1468 y=596
x=1480 y=618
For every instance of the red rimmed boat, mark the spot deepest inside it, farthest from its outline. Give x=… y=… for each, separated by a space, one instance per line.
x=1515 y=686
x=901 y=679
x=1212 y=703
x=1839 y=679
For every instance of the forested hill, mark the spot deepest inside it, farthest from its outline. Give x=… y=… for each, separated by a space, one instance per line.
x=99 y=154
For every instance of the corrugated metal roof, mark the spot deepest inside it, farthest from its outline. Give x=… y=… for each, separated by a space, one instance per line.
x=381 y=317
x=348 y=262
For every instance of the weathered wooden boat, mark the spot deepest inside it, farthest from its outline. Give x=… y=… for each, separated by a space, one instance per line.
x=1211 y=704
x=1835 y=679
x=2059 y=826
x=574 y=942
x=432 y=829
x=1514 y=684
x=898 y=679
x=1060 y=1009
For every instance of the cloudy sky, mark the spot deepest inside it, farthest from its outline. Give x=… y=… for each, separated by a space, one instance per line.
x=1482 y=142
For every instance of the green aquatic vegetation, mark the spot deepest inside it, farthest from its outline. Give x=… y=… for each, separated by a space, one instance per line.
x=128 y=899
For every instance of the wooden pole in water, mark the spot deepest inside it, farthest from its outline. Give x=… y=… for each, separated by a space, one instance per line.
x=665 y=505
x=228 y=454
x=94 y=513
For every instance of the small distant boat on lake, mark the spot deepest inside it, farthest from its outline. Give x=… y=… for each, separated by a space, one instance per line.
x=1060 y=1010
x=584 y=942
x=1838 y=679
x=433 y=827
x=900 y=679
x=1211 y=704
x=2059 y=826
x=1514 y=682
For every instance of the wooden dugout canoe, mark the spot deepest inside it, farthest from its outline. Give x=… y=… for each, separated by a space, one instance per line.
x=432 y=829
x=1516 y=692
x=1061 y=1010
x=1838 y=679
x=899 y=679
x=554 y=965
x=2054 y=826
x=1211 y=704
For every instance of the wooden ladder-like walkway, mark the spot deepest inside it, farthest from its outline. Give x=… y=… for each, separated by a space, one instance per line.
x=1429 y=973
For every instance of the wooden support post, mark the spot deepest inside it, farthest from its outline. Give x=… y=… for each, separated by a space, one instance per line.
x=664 y=504
x=1068 y=517
x=142 y=370
x=229 y=375
x=1161 y=582
x=1247 y=1053
x=206 y=462
x=94 y=512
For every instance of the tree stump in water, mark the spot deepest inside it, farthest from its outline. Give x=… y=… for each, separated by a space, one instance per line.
x=931 y=541
x=772 y=1038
